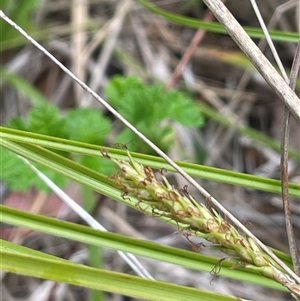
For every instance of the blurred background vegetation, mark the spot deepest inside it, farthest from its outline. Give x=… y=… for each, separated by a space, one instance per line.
x=217 y=111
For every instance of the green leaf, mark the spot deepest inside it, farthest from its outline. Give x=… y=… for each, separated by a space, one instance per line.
x=87 y=125
x=204 y=172
x=183 y=110
x=15 y=173
x=138 y=102
x=19 y=177
x=54 y=268
x=46 y=119
x=118 y=86
x=17 y=123
x=149 y=108
x=84 y=234
x=124 y=93
x=43 y=118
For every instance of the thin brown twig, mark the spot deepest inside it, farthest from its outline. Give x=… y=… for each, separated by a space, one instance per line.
x=284 y=167
x=189 y=52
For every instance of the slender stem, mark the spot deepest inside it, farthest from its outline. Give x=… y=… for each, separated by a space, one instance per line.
x=257 y=58
x=198 y=37
x=269 y=40
x=285 y=140
x=284 y=168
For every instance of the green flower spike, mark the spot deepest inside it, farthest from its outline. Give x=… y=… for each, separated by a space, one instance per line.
x=165 y=200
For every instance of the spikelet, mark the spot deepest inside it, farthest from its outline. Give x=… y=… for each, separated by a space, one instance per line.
x=140 y=181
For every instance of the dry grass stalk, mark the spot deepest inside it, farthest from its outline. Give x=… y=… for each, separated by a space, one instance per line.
x=165 y=200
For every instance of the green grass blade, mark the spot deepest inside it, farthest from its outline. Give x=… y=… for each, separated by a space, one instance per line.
x=276 y=35
x=205 y=172
x=114 y=241
x=79 y=173
x=56 y=269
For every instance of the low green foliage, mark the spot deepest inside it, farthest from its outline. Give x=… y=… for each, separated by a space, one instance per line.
x=150 y=108
x=83 y=124
x=19 y=177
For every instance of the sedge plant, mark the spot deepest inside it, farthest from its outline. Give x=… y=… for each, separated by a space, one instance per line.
x=192 y=218
x=164 y=200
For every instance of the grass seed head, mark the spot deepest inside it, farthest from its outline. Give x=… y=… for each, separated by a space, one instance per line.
x=140 y=181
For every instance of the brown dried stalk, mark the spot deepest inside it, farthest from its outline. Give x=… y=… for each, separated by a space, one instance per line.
x=284 y=167
x=165 y=200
